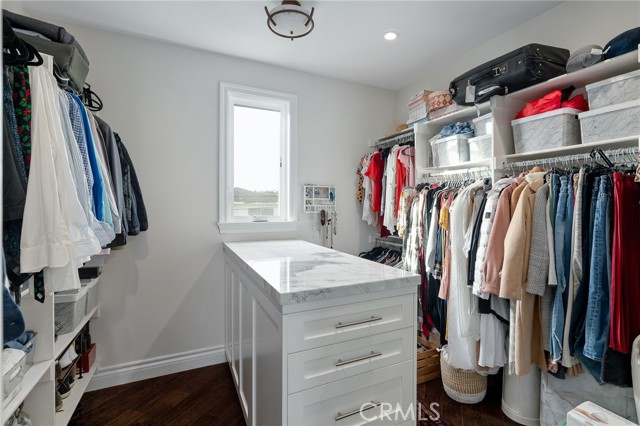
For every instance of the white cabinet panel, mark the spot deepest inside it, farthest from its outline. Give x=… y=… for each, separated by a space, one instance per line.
x=334 y=362
x=320 y=327
x=354 y=401
x=246 y=351
x=234 y=311
x=268 y=368
x=228 y=303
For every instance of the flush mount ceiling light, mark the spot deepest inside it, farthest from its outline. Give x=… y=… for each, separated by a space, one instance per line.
x=390 y=35
x=290 y=20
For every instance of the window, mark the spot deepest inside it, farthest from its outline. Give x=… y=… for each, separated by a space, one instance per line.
x=257 y=159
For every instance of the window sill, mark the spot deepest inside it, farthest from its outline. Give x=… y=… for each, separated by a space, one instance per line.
x=256 y=227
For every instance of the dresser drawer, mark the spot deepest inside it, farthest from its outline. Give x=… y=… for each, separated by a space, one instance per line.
x=339 y=403
x=321 y=327
x=326 y=364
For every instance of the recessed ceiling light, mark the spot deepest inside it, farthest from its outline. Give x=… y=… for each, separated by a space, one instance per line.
x=390 y=35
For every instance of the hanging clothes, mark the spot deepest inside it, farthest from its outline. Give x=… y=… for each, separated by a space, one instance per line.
x=64 y=189
x=136 y=211
x=389 y=172
x=55 y=232
x=625 y=283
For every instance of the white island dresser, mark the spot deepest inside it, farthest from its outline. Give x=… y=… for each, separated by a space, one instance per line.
x=314 y=336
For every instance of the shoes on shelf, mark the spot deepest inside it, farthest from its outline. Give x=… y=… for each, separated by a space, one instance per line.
x=87 y=336
x=68 y=357
x=22 y=418
x=64 y=389
x=58 y=401
x=69 y=376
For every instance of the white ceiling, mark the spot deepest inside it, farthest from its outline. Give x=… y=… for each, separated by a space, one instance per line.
x=347 y=42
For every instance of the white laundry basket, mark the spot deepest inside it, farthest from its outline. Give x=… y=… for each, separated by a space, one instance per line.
x=635 y=372
x=521 y=397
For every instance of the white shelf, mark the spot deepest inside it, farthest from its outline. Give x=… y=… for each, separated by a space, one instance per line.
x=627 y=142
x=461 y=167
x=603 y=70
x=31 y=378
x=71 y=402
x=393 y=139
x=463 y=114
x=65 y=340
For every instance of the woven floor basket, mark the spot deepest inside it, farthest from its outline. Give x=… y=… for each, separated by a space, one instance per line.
x=463 y=386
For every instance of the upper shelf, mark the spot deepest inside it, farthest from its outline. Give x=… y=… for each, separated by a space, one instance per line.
x=460 y=167
x=406 y=135
x=463 y=114
x=582 y=148
x=603 y=70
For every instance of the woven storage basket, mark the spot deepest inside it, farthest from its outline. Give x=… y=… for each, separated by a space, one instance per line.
x=463 y=386
x=428 y=360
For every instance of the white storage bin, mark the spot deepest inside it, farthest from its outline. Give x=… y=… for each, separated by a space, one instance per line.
x=450 y=150
x=69 y=309
x=614 y=90
x=483 y=125
x=96 y=260
x=13 y=369
x=612 y=122
x=29 y=349
x=480 y=147
x=92 y=294
x=551 y=129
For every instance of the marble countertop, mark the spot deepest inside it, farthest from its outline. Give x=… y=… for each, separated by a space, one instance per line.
x=293 y=271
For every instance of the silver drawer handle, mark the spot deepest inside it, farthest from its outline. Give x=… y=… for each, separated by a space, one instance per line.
x=370 y=405
x=362 y=321
x=360 y=358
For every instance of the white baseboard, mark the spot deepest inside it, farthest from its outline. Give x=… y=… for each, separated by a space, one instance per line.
x=121 y=374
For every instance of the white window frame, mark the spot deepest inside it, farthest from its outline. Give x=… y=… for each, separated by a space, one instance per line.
x=287 y=104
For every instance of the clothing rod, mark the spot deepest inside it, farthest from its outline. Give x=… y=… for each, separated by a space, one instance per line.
x=474 y=172
x=403 y=138
x=388 y=244
x=620 y=155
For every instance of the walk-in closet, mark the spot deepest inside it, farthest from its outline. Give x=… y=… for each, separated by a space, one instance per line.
x=315 y=213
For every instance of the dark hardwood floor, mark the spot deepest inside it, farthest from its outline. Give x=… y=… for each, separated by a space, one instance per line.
x=487 y=413
x=207 y=397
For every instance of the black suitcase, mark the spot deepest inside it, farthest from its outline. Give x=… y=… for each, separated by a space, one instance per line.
x=524 y=67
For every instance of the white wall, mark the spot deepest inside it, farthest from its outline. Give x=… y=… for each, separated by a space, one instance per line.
x=571 y=25
x=163 y=293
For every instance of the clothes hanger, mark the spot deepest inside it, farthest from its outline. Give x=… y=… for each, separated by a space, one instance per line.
x=91 y=99
x=16 y=51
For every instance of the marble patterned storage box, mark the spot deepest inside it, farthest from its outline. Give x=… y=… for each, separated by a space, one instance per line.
x=615 y=90
x=483 y=125
x=13 y=369
x=551 y=129
x=558 y=397
x=92 y=294
x=612 y=122
x=450 y=150
x=480 y=147
x=69 y=308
